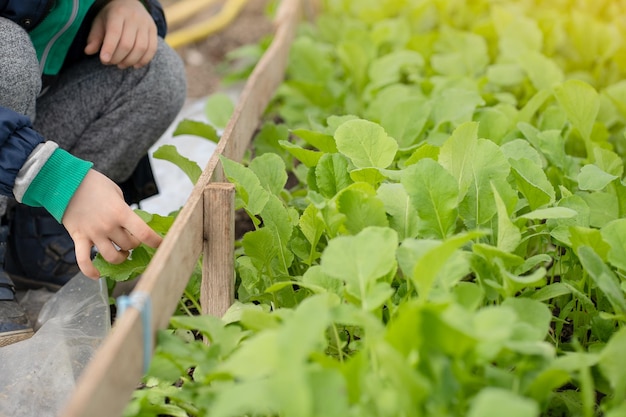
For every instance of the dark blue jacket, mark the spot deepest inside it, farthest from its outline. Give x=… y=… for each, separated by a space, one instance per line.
x=17 y=137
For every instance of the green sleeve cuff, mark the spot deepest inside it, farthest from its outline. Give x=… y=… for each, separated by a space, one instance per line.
x=56 y=183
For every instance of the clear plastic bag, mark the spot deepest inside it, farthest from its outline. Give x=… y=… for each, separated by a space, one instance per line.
x=38 y=375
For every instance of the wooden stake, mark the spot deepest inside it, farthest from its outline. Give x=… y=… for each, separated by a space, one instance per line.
x=217 y=292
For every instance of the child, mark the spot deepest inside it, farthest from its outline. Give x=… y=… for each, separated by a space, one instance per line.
x=86 y=87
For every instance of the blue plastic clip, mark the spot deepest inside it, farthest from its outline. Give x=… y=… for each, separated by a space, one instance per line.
x=141 y=302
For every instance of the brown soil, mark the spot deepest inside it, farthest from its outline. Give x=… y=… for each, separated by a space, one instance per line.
x=204 y=59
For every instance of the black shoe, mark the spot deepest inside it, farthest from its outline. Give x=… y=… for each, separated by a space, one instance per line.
x=14 y=324
x=40 y=252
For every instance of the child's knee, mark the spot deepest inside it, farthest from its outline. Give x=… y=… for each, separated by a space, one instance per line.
x=168 y=82
x=20 y=79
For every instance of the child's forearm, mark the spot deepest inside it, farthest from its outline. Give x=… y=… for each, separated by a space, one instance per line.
x=35 y=172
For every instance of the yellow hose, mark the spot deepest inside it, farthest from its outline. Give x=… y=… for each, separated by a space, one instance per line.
x=193 y=33
x=177 y=12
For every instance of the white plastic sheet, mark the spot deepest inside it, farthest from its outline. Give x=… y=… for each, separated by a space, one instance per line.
x=38 y=375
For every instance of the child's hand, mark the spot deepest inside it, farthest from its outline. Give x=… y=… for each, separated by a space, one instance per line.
x=98 y=215
x=124 y=33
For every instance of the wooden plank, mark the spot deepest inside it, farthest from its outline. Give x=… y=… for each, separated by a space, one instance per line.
x=217 y=291
x=107 y=383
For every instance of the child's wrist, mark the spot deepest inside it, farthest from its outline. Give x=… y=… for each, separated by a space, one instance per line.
x=56 y=183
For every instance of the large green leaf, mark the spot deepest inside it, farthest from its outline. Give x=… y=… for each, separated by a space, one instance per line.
x=250 y=194
x=361 y=260
x=307 y=156
x=509 y=235
x=603 y=277
x=132 y=267
x=460 y=53
x=311 y=224
x=488 y=168
x=390 y=97
x=371 y=176
x=403 y=217
x=308 y=61
x=517 y=33
x=189 y=167
x=533 y=105
x=457 y=153
x=301 y=335
x=494 y=123
x=608 y=161
x=498 y=402
x=592 y=178
x=270 y=170
x=267 y=139
x=428 y=266
x=196 y=128
x=603 y=206
x=285 y=387
x=434 y=194
x=331 y=174
x=533 y=183
x=617 y=95
x=366 y=144
x=533 y=318
x=455 y=105
x=552 y=145
x=393 y=67
x=550 y=213
x=493 y=327
x=280 y=220
x=593 y=238
x=519 y=148
x=405 y=120
x=355 y=57
x=505 y=74
x=362 y=209
x=612 y=363
x=260 y=246
x=543 y=72
x=581 y=103
x=315 y=279
x=614 y=233
x=448 y=276
x=218 y=109
x=322 y=141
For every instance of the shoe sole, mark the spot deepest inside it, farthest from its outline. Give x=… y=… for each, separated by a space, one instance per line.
x=22 y=283
x=15 y=336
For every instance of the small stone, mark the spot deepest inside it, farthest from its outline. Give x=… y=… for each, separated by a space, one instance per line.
x=194 y=58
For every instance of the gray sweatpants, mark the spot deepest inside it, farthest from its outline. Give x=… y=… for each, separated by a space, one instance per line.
x=99 y=113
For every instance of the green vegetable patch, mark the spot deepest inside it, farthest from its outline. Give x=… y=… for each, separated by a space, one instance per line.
x=439 y=223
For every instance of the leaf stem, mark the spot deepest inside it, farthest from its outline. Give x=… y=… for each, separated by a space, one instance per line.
x=338 y=343
x=194 y=301
x=185 y=308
